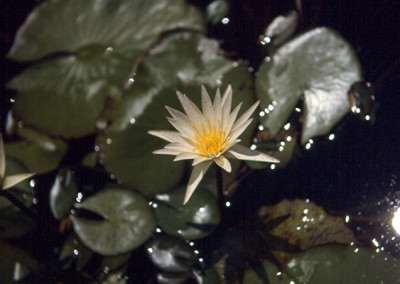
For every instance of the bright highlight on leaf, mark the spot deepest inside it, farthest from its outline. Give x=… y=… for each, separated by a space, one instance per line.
x=207 y=136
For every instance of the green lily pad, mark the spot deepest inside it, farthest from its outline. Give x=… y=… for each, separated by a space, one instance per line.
x=195 y=220
x=96 y=44
x=340 y=264
x=181 y=61
x=63 y=194
x=318 y=64
x=171 y=254
x=38 y=153
x=129 y=221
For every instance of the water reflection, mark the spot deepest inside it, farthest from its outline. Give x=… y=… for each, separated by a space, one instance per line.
x=396 y=221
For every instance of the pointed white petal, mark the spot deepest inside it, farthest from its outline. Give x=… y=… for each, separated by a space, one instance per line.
x=181 y=147
x=185 y=130
x=206 y=104
x=226 y=109
x=10 y=181
x=232 y=117
x=170 y=136
x=192 y=111
x=223 y=163
x=243 y=153
x=238 y=130
x=230 y=145
x=185 y=156
x=217 y=108
x=197 y=174
x=166 y=152
x=246 y=115
x=227 y=95
x=2 y=160
x=199 y=159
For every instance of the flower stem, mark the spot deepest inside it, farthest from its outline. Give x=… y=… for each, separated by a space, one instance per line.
x=19 y=204
x=220 y=186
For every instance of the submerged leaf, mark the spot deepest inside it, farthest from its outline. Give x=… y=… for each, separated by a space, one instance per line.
x=307 y=226
x=38 y=152
x=318 y=64
x=340 y=264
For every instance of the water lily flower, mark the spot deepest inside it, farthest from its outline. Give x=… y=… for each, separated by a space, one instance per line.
x=9 y=181
x=208 y=136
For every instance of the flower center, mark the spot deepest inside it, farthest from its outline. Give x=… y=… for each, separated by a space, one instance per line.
x=209 y=140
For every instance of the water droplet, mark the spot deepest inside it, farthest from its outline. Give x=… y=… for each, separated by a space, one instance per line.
x=12 y=100
x=225 y=20
x=108 y=141
x=227 y=204
x=272 y=167
x=287 y=126
x=20 y=124
x=101 y=124
x=76 y=252
x=96 y=148
x=260 y=127
x=331 y=137
x=235 y=64
x=32 y=183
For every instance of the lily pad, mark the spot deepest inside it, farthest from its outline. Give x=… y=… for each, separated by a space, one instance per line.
x=129 y=221
x=195 y=220
x=307 y=226
x=93 y=44
x=318 y=64
x=181 y=61
x=171 y=254
x=38 y=153
x=340 y=264
x=63 y=194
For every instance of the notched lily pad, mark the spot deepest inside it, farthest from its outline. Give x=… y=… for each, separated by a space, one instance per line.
x=94 y=45
x=181 y=61
x=195 y=220
x=129 y=221
x=318 y=64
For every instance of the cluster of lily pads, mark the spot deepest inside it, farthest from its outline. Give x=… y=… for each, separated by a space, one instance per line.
x=106 y=69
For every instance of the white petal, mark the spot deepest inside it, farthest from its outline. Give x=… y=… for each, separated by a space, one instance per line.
x=227 y=95
x=199 y=159
x=223 y=163
x=226 y=109
x=170 y=136
x=10 y=181
x=246 y=115
x=166 y=152
x=232 y=117
x=206 y=104
x=186 y=130
x=185 y=156
x=243 y=153
x=217 y=108
x=181 y=147
x=197 y=174
x=192 y=111
x=2 y=159
x=239 y=129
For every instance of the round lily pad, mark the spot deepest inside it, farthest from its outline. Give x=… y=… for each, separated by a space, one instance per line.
x=128 y=221
x=93 y=46
x=318 y=64
x=182 y=61
x=194 y=220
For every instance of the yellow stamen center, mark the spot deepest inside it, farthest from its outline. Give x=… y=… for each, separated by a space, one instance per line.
x=210 y=140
